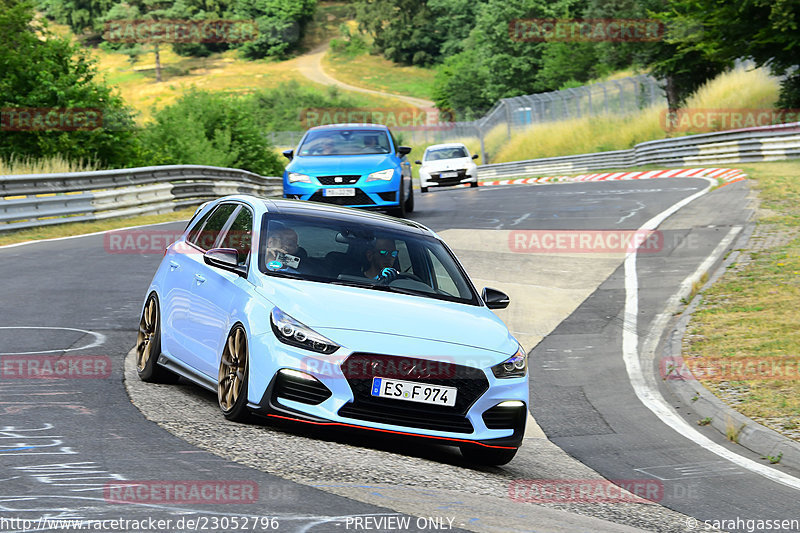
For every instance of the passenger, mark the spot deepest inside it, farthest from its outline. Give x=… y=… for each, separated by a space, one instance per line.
x=283 y=242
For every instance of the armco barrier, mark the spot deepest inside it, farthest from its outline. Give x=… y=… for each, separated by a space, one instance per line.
x=44 y=199
x=768 y=143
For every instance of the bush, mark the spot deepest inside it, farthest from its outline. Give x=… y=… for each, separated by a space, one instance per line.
x=204 y=128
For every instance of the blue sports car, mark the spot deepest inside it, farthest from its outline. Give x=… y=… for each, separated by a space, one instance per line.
x=326 y=315
x=355 y=165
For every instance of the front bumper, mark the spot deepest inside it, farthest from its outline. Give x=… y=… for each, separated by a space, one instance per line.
x=332 y=398
x=435 y=179
x=373 y=194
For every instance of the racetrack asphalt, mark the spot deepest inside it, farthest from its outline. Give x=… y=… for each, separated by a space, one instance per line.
x=89 y=433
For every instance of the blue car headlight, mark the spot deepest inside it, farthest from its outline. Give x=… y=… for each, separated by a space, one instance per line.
x=514 y=367
x=294 y=333
x=295 y=177
x=381 y=175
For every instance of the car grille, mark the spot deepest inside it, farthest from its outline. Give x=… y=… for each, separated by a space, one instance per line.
x=361 y=198
x=359 y=369
x=331 y=180
x=438 y=176
x=390 y=196
x=503 y=417
x=300 y=390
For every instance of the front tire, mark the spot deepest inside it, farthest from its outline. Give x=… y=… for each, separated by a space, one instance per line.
x=423 y=190
x=400 y=211
x=148 y=345
x=410 y=201
x=473 y=184
x=234 y=373
x=475 y=453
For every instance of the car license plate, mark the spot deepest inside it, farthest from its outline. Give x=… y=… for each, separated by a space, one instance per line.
x=414 y=392
x=449 y=174
x=345 y=191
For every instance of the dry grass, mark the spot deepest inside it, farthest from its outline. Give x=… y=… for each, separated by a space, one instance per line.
x=751 y=312
x=49 y=165
x=81 y=228
x=738 y=89
x=380 y=74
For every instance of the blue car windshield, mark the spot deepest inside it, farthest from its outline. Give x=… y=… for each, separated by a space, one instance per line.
x=345 y=142
x=344 y=252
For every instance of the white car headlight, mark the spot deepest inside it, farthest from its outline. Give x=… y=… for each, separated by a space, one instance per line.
x=294 y=333
x=383 y=175
x=297 y=177
x=514 y=367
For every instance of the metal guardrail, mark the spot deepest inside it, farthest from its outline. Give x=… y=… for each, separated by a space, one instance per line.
x=768 y=143
x=44 y=199
x=35 y=200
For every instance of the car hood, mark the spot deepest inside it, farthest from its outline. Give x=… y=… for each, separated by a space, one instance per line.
x=341 y=164
x=447 y=164
x=329 y=309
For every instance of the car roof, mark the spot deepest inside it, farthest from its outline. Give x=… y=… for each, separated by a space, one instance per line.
x=350 y=125
x=446 y=145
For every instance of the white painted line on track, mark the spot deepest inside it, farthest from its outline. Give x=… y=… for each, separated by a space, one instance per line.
x=646 y=391
x=99 y=339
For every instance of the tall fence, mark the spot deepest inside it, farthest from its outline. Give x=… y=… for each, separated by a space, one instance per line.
x=617 y=97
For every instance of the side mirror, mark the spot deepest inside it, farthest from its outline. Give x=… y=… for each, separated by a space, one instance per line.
x=475 y=156
x=418 y=162
x=495 y=299
x=288 y=154
x=403 y=150
x=226 y=259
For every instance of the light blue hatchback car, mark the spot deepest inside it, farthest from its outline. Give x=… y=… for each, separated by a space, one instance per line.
x=318 y=314
x=354 y=165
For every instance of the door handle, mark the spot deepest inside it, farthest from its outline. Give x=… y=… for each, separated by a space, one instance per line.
x=173 y=265
x=200 y=279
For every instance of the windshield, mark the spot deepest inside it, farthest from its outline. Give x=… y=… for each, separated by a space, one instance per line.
x=343 y=252
x=345 y=142
x=437 y=154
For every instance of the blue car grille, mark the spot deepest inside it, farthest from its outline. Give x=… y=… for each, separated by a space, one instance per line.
x=359 y=369
x=360 y=198
x=343 y=180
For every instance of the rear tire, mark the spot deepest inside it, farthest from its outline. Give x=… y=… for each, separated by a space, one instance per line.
x=475 y=453
x=148 y=345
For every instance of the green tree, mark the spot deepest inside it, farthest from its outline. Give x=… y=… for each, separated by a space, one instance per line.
x=41 y=71
x=81 y=15
x=766 y=31
x=281 y=24
x=205 y=128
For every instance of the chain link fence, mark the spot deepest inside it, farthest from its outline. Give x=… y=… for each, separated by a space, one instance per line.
x=615 y=97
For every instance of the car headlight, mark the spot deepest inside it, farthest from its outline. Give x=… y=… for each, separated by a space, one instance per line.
x=384 y=175
x=290 y=331
x=297 y=177
x=514 y=367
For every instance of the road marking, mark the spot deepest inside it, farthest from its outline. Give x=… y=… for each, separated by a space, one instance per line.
x=99 y=339
x=647 y=392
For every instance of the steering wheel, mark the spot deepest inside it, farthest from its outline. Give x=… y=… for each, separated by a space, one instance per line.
x=405 y=275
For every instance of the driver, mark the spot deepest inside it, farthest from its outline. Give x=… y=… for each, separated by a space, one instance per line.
x=381 y=258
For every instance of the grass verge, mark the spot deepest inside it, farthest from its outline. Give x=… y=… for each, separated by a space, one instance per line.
x=380 y=74
x=81 y=228
x=751 y=312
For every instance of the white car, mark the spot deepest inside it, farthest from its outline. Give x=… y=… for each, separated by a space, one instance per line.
x=447 y=164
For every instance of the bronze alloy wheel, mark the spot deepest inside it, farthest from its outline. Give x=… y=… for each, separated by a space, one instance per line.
x=148 y=329
x=232 y=378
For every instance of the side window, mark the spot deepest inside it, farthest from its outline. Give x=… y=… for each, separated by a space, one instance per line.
x=197 y=226
x=240 y=235
x=206 y=237
x=444 y=282
x=403 y=257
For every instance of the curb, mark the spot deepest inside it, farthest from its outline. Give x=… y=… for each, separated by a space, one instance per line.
x=726 y=175
x=752 y=435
